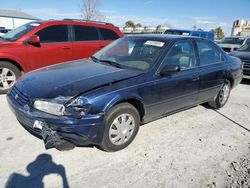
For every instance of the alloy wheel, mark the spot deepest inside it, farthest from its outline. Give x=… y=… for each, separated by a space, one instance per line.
x=7 y=78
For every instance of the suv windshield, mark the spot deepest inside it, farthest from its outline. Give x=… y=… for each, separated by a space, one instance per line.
x=177 y=32
x=18 y=32
x=130 y=53
x=232 y=40
x=245 y=48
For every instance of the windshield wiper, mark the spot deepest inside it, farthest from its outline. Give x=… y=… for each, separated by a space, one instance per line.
x=96 y=60
x=113 y=63
x=106 y=61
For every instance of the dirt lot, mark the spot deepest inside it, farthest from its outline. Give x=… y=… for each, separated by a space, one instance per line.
x=198 y=147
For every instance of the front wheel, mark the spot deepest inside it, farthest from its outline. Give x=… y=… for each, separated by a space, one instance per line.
x=221 y=99
x=8 y=76
x=122 y=125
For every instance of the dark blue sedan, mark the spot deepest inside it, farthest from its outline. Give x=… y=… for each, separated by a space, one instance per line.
x=103 y=100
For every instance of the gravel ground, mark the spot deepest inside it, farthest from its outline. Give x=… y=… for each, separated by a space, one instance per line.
x=199 y=147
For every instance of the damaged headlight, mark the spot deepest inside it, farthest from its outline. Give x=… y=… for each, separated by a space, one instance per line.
x=77 y=107
x=61 y=106
x=49 y=107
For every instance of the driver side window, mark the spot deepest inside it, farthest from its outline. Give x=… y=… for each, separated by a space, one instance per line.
x=181 y=54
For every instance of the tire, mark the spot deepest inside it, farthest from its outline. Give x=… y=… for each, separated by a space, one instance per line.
x=221 y=98
x=9 y=73
x=118 y=135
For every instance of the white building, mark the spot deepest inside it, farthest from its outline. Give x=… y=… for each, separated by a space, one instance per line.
x=11 y=19
x=241 y=28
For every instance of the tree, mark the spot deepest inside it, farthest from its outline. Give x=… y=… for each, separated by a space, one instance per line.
x=129 y=23
x=219 y=34
x=89 y=10
x=138 y=25
x=194 y=27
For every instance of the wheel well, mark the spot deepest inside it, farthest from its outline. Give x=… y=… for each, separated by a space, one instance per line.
x=138 y=105
x=14 y=63
x=230 y=79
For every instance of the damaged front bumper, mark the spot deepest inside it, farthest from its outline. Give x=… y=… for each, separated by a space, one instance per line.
x=62 y=133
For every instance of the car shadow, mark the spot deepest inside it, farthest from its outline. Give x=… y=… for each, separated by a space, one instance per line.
x=245 y=81
x=42 y=166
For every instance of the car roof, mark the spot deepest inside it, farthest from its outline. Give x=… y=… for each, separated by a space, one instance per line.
x=238 y=37
x=160 y=37
x=186 y=30
x=78 y=21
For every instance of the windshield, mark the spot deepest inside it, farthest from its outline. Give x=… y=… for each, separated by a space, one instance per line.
x=17 y=33
x=170 y=32
x=232 y=40
x=130 y=53
x=245 y=48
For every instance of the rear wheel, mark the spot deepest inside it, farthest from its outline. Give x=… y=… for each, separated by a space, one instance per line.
x=8 y=76
x=221 y=99
x=122 y=125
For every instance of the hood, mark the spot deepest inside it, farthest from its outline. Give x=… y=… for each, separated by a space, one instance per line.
x=224 y=45
x=241 y=55
x=70 y=79
x=4 y=44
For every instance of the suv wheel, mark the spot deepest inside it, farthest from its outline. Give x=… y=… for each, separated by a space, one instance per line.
x=8 y=76
x=122 y=125
x=221 y=99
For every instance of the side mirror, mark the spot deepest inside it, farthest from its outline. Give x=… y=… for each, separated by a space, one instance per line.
x=170 y=69
x=34 y=40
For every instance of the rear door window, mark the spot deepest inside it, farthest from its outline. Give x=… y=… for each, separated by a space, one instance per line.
x=108 y=34
x=208 y=53
x=85 y=33
x=51 y=34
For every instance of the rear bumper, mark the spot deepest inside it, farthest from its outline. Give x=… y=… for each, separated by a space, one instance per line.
x=67 y=132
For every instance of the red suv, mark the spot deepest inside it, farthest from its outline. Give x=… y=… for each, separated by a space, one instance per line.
x=42 y=43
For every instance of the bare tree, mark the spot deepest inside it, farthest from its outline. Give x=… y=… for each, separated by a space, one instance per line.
x=89 y=10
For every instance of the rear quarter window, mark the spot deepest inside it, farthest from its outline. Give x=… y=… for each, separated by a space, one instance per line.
x=108 y=34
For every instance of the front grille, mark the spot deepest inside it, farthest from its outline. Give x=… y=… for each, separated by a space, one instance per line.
x=246 y=64
x=246 y=67
x=19 y=97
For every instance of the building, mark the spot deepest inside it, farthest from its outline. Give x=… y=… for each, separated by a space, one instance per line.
x=241 y=28
x=141 y=30
x=10 y=19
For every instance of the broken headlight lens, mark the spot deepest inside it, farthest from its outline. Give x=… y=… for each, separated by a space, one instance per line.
x=49 y=107
x=78 y=107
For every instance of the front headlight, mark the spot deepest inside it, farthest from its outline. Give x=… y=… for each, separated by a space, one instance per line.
x=49 y=107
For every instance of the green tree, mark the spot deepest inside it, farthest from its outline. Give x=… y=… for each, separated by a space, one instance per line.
x=219 y=34
x=138 y=25
x=129 y=23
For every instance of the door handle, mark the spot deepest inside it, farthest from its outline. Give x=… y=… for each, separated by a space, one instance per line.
x=195 y=79
x=66 y=47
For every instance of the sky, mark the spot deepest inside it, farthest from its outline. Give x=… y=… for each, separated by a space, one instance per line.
x=181 y=14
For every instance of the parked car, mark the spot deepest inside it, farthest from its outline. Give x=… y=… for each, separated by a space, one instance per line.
x=229 y=44
x=244 y=54
x=195 y=33
x=3 y=31
x=136 y=79
x=42 y=43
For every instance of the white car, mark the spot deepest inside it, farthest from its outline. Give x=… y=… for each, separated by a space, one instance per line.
x=3 y=32
x=229 y=44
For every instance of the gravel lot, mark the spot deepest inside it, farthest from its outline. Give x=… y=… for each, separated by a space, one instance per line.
x=199 y=147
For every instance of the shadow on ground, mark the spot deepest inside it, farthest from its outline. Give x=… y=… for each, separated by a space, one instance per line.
x=245 y=81
x=42 y=166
